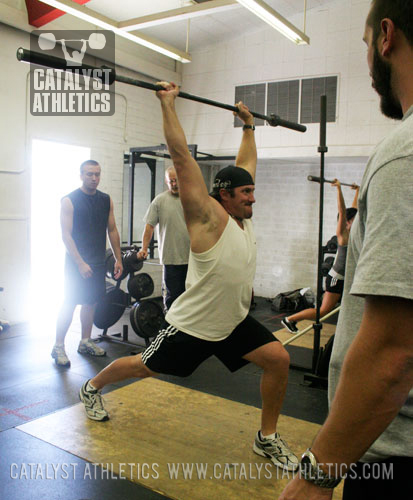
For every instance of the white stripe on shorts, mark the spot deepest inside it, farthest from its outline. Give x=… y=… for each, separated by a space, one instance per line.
x=168 y=332
x=333 y=281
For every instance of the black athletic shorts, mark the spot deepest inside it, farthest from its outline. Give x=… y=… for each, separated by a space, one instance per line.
x=79 y=290
x=334 y=285
x=173 y=352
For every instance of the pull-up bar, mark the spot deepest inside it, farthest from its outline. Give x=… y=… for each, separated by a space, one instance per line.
x=313 y=178
x=58 y=63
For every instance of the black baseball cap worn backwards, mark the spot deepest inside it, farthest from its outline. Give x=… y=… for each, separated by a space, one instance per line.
x=232 y=177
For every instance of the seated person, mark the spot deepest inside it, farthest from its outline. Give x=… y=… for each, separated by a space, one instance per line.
x=335 y=277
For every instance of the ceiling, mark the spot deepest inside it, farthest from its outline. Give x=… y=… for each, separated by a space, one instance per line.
x=204 y=30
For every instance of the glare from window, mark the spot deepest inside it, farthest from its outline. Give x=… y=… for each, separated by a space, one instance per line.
x=55 y=173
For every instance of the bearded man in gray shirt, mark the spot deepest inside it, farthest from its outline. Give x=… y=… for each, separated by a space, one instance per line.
x=368 y=434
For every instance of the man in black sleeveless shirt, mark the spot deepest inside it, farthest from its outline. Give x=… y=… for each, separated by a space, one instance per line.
x=86 y=216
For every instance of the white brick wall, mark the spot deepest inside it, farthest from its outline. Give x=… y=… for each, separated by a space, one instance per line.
x=286 y=221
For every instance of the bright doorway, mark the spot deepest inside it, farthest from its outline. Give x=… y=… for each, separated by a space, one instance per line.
x=55 y=173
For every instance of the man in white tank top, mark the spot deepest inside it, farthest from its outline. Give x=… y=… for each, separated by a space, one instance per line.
x=211 y=317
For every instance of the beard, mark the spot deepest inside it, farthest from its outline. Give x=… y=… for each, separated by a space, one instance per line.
x=249 y=214
x=381 y=76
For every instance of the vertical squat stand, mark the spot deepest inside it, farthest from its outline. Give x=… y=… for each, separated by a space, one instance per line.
x=317 y=326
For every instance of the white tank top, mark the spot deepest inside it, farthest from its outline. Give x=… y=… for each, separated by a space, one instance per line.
x=218 y=285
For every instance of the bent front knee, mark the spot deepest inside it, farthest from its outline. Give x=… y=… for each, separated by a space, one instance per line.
x=284 y=358
x=279 y=360
x=140 y=369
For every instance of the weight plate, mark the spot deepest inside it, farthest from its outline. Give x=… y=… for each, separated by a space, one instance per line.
x=111 y=307
x=140 y=286
x=146 y=318
x=131 y=262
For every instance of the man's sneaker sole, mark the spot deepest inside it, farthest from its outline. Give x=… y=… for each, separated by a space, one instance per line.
x=287 y=327
x=91 y=352
x=64 y=365
x=82 y=399
x=289 y=466
x=262 y=453
x=67 y=364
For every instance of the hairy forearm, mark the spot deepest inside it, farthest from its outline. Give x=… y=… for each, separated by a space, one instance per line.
x=374 y=384
x=247 y=154
x=146 y=237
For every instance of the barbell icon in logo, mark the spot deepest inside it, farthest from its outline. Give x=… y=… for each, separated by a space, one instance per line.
x=47 y=41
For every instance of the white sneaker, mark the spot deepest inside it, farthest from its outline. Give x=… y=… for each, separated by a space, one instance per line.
x=89 y=347
x=93 y=402
x=59 y=355
x=276 y=450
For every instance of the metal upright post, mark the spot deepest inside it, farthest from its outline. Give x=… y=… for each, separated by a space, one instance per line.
x=131 y=196
x=317 y=326
x=322 y=150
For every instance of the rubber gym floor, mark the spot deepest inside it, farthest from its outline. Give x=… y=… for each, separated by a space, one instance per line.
x=49 y=449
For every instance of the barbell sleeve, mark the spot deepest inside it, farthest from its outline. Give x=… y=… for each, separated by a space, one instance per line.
x=40 y=59
x=314 y=178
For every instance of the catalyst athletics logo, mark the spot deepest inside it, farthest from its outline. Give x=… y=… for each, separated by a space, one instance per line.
x=69 y=74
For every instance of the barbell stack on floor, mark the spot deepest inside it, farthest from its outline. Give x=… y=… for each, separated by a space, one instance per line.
x=146 y=315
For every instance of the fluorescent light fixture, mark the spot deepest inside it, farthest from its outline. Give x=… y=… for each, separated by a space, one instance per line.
x=276 y=20
x=106 y=23
x=180 y=14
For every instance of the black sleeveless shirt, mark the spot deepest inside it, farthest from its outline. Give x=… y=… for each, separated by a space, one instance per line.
x=90 y=222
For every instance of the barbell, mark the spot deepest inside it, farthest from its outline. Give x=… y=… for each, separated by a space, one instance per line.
x=40 y=59
x=314 y=178
x=47 y=41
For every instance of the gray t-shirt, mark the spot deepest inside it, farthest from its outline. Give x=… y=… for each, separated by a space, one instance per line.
x=379 y=262
x=173 y=239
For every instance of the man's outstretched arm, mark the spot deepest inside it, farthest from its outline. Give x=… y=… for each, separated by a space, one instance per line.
x=342 y=232
x=195 y=199
x=247 y=153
